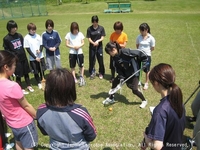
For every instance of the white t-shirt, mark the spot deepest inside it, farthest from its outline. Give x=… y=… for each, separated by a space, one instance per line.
x=33 y=42
x=146 y=44
x=75 y=40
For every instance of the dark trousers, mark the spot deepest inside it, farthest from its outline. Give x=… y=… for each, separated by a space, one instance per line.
x=96 y=53
x=132 y=83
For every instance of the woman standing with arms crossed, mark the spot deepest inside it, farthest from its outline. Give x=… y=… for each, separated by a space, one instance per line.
x=146 y=42
x=165 y=130
x=17 y=111
x=121 y=38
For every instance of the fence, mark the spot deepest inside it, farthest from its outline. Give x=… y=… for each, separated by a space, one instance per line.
x=22 y=8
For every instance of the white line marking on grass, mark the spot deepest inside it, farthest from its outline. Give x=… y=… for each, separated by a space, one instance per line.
x=192 y=42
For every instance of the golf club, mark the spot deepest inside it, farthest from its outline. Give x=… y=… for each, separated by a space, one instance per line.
x=114 y=90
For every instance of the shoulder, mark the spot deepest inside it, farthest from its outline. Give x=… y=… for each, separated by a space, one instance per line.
x=124 y=34
x=6 y=37
x=55 y=32
x=151 y=36
x=41 y=110
x=81 y=34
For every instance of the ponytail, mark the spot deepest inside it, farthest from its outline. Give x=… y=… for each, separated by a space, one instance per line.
x=176 y=99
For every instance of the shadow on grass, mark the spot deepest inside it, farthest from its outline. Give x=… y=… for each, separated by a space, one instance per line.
x=118 y=98
x=107 y=148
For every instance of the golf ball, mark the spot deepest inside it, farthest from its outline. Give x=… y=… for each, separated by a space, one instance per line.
x=110 y=108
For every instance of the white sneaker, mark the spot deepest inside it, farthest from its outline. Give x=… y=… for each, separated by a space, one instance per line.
x=108 y=101
x=40 y=86
x=25 y=92
x=82 y=81
x=30 y=89
x=146 y=86
x=100 y=76
x=144 y=103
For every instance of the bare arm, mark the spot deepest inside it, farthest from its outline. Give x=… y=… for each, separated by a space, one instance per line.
x=137 y=46
x=153 y=144
x=27 y=107
x=152 y=48
x=123 y=45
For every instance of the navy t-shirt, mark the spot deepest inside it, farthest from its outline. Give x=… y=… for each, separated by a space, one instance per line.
x=166 y=126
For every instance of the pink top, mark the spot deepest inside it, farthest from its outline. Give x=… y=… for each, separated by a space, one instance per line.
x=15 y=115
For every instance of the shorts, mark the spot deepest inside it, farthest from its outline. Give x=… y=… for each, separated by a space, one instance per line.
x=53 y=61
x=22 y=68
x=35 y=66
x=147 y=69
x=27 y=135
x=73 y=59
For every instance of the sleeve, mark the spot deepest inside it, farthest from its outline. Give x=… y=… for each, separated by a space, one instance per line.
x=140 y=55
x=44 y=41
x=5 y=44
x=30 y=53
x=158 y=121
x=41 y=110
x=88 y=33
x=82 y=36
x=58 y=40
x=111 y=37
x=153 y=42
x=26 y=43
x=16 y=92
x=85 y=122
x=103 y=32
x=125 y=37
x=137 y=40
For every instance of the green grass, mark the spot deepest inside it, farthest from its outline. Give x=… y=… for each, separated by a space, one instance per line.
x=175 y=26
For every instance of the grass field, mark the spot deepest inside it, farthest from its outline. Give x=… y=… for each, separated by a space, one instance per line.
x=174 y=24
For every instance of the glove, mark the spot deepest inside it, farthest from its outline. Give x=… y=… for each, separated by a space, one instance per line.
x=144 y=65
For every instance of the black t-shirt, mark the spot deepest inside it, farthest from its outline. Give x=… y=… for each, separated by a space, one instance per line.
x=14 y=44
x=95 y=34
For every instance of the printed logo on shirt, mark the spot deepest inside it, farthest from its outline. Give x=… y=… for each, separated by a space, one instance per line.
x=16 y=43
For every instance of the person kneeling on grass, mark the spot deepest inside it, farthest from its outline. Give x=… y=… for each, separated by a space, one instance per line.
x=126 y=62
x=68 y=125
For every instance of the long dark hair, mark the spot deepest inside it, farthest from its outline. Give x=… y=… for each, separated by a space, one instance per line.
x=6 y=58
x=145 y=26
x=110 y=45
x=165 y=75
x=74 y=26
x=60 y=89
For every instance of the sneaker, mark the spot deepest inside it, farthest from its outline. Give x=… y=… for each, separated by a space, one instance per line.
x=108 y=101
x=92 y=76
x=30 y=89
x=144 y=103
x=146 y=86
x=25 y=92
x=100 y=76
x=82 y=81
x=40 y=86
